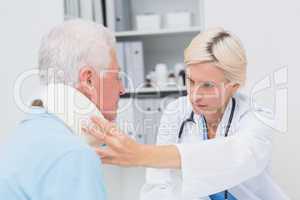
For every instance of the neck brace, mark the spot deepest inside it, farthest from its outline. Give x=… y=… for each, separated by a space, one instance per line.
x=70 y=106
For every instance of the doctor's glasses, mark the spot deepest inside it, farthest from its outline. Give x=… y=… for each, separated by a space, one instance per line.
x=207 y=87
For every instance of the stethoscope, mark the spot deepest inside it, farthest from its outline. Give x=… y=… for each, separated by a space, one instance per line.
x=191 y=119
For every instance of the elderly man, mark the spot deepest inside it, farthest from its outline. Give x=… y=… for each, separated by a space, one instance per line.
x=45 y=158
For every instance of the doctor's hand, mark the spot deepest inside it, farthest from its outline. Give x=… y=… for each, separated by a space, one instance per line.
x=121 y=150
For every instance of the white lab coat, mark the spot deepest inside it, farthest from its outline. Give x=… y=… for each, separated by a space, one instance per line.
x=239 y=162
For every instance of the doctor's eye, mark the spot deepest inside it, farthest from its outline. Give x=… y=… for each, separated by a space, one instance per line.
x=208 y=85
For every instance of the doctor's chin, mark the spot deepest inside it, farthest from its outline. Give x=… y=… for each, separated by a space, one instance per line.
x=149 y=100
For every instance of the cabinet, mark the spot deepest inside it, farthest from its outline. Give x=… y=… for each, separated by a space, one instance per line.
x=160 y=45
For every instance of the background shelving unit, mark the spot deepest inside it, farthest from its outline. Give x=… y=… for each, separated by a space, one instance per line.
x=128 y=34
x=164 y=45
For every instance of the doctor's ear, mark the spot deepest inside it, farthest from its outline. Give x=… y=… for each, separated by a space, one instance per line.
x=234 y=87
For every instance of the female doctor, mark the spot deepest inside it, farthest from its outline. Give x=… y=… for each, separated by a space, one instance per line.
x=210 y=144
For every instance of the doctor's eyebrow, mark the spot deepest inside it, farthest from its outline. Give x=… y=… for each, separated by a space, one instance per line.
x=188 y=78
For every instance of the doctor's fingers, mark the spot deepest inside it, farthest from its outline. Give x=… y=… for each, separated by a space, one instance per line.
x=110 y=157
x=93 y=131
x=104 y=153
x=113 y=142
x=112 y=161
x=106 y=126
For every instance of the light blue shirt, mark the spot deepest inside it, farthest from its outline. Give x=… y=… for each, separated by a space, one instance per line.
x=43 y=160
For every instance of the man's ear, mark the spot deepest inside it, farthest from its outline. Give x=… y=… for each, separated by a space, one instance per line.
x=85 y=82
x=86 y=75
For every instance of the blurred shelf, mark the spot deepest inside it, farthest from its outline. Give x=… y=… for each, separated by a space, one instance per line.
x=157 y=32
x=155 y=92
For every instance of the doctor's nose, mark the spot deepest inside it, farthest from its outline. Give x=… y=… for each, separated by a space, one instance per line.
x=196 y=96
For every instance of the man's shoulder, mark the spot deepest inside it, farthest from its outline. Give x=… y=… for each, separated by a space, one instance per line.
x=48 y=130
x=38 y=141
x=40 y=152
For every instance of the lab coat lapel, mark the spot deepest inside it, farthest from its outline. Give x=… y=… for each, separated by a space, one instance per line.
x=224 y=121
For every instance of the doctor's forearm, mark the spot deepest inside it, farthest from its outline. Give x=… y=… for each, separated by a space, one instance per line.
x=163 y=156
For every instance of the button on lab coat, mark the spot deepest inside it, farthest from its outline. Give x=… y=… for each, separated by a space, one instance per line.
x=238 y=163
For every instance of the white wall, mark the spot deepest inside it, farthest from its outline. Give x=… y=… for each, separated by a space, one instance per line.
x=22 y=25
x=270 y=32
x=266 y=28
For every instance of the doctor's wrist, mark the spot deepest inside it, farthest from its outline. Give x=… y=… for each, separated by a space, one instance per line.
x=143 y=156
x=159 y=156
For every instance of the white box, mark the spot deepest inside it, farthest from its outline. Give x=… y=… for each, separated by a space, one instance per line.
x=148 y=22
x=178 y=20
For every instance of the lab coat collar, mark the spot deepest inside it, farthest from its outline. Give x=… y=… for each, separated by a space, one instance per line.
x=225 y=119
x=70 y=106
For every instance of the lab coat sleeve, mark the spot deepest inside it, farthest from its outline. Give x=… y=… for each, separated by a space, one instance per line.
x=76 y=175
x=227 y=161
x=160 y=183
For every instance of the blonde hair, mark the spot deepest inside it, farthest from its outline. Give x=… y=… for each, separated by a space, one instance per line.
x=221 y=48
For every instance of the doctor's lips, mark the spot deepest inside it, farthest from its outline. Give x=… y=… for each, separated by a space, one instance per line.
x=202 y=106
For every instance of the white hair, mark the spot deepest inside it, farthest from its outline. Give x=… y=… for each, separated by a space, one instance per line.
x=221 y=48
x=72 y=45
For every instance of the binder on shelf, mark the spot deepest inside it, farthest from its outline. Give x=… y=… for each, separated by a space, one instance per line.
x=134 y=64
x=76 y=8
x=110 y=14
x=86 y=9
x=72 y=9
x=138 y=62
x=66 y=7
x=122 y=15
x=122 y=61
x=128 y=64
x=97 y=11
